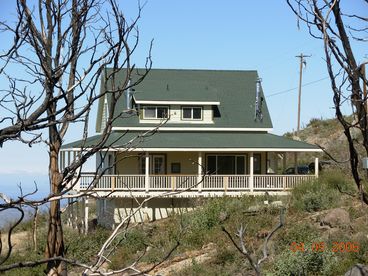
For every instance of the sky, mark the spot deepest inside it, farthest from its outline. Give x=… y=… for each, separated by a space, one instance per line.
x=227 y=35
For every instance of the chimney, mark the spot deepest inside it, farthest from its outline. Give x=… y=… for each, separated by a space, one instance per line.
x=258 y=116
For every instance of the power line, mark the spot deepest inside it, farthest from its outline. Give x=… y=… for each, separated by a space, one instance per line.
x=295 y=88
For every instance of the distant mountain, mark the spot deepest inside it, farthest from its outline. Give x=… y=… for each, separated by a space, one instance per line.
x=10 y=184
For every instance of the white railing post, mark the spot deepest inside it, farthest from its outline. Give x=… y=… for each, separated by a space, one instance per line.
x=77 y=185
x=199 y=177
x=226 y=183
x=86 y=210
x=251 y=175
x=146 y=181
x=316 y=167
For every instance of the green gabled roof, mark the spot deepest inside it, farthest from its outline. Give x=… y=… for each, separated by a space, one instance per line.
x=196 y=140
x=171 y=89
x=235 y=90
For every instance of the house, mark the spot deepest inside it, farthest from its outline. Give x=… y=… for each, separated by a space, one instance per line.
x=189 y=133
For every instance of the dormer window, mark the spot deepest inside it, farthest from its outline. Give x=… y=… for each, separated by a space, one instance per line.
x=191 y=113
x=156 y=112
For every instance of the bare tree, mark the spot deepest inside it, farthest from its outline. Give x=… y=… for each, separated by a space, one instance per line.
x=63 y=47
x=327 y=21
x=255 y=262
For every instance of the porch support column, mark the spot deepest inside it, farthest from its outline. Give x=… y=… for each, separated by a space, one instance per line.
x=146 y=179
x=284 y=162
x=86 y=210
x=69 y=212
x=251 y=174
x=316 y=167
x=62 y=160
x=200 y=171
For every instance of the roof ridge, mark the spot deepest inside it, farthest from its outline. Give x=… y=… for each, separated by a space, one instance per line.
x=192 y=69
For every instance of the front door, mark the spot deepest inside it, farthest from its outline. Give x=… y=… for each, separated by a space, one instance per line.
x=157 y=164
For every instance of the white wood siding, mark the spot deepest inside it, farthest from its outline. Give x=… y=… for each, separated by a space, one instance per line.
x=104 y=116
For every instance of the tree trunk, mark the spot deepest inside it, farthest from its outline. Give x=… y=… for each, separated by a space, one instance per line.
x=55 y=240
x=34 y=230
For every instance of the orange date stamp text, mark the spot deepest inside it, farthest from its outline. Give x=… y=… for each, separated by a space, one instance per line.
x=335 y=247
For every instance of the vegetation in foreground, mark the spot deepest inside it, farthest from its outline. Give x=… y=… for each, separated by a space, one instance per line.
x=200 y=235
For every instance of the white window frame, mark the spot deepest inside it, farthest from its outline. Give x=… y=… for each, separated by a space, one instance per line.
x=191 y=113
x=155 y=107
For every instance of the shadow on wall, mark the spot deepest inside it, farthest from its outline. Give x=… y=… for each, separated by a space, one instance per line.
x=112 y=211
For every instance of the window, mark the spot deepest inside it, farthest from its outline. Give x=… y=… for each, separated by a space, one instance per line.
x=226 y=164
x=157 y=164
x=175 y=168
x=257 y=163
x=191 y=113
x=155 y=112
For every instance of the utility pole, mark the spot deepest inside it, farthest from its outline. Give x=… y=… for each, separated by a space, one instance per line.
x=302 y=61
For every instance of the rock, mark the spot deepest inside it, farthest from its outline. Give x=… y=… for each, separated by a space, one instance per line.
x=277 y=203
x=223 y=216
x=336 y=218
x=254 y=208
x=357 y=270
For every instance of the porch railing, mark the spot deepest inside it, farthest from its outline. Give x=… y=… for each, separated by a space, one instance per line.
x=195 y=183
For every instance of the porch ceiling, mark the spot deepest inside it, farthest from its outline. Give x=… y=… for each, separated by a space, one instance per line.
x=196 y=141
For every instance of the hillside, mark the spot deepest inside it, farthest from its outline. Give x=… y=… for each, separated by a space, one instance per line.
x=325 y=233
x=329 y=135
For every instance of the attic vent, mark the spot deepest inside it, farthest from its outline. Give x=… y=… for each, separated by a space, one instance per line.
x=258 y=116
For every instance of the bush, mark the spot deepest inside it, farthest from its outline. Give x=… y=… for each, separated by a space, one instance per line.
x=305 y=263
x=300 y=232
x=83 y=247
x=336 y=180
x=129 y=245
x=314 y=196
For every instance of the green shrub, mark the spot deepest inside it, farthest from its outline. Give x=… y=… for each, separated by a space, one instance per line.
x=83 y=247
x=305 y=263
x=299 y=232
x=314 y=122
x=314 y=196
x=339 y=181
x=129 y=245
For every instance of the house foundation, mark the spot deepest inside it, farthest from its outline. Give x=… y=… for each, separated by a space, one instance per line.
x=112 y=211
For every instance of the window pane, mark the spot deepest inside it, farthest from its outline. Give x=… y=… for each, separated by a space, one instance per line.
x=150 y=112
x=197 y=113
x=143 y=165
x=225 y=164
x=162 y=112
x=211 y=164
x=187 y=113
x=158 y=165
x=257 y=163
x=240 y=165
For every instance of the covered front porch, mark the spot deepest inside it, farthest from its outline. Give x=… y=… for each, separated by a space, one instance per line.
x=191 y=173
x=192 y=164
